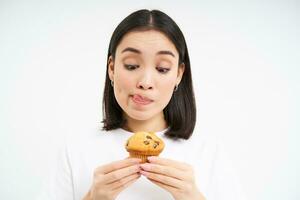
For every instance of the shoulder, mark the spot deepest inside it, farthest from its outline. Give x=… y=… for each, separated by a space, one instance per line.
x=204 y=139
x=91 y=133
x=93 y=146
x=201 y=145
x=89 y=138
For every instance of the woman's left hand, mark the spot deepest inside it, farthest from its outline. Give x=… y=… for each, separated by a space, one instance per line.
x=173 y=176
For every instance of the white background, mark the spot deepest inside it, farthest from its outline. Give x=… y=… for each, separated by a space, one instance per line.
x=245 y=60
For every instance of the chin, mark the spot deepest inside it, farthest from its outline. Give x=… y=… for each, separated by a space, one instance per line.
x=139 y=115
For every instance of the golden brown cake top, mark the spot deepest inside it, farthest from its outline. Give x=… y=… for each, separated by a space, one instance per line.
x=145 y=142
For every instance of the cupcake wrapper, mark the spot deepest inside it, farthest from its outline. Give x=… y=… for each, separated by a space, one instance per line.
x=140 y=156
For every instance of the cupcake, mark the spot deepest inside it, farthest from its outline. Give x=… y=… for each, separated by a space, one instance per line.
x=143 y=144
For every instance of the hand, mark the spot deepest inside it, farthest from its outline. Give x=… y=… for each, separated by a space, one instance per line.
x=109 y=180
x=173 y=176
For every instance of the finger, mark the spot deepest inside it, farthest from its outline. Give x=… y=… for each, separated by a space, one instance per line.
x=169 y=188
x=115 y=185
x=118 y=165
x=163 y=179
x=168 y=162
x=120 y=173
x=165 y=170
x=125 y=185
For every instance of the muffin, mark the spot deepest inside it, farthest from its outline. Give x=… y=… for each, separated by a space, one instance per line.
x=143 y=144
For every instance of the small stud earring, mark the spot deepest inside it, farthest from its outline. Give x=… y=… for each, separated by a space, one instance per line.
x=112 y=83
x=176 y=88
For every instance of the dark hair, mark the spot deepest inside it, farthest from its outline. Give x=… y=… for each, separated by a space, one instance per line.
x=180 y=113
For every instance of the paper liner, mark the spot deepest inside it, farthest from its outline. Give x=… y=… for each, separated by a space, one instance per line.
x=140 y=156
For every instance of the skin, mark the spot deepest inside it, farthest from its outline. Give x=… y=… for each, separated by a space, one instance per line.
x=146 y=63
x=147 y=79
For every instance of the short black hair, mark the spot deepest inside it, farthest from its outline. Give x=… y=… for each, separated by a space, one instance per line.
x=180 y=113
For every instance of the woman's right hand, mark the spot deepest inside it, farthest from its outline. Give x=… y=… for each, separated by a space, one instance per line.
x=109 y=180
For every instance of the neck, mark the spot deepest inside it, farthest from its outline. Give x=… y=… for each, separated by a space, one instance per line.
x=154 y=124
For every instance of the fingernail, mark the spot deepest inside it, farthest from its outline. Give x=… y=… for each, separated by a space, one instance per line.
x=138 y=167
x=151 y=158
x=143 y=173
x=145 y=166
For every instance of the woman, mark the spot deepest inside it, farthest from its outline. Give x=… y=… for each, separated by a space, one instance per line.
x=148 y=87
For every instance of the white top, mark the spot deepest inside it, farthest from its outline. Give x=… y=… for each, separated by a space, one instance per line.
x=73 y=176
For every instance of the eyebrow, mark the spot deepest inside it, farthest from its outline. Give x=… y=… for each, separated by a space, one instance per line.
x=165 y=52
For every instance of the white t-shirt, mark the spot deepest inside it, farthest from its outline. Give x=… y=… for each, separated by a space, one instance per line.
x=82 y=154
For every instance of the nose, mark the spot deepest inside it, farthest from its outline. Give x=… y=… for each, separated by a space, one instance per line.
x=146 y=81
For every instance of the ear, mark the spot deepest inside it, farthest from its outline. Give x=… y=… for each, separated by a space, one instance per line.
x=111 y=67
x=180 y=73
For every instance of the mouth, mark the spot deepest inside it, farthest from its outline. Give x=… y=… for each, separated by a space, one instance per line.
x=141 y=100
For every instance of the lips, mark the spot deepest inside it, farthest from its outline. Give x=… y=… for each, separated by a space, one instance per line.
x=142 y=100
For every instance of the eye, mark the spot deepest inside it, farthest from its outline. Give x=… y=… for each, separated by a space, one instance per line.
x=130 y=67
x=163 y=70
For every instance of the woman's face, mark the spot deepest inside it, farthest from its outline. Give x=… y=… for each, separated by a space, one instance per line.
x=145 y=71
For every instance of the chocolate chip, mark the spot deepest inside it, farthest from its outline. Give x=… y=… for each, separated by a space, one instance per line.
x=146 y=142
x=157 y=142
x=154 y=145
x=149 y=137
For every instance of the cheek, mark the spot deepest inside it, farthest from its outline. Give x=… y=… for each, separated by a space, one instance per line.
x=166 y=90
x=123 y=85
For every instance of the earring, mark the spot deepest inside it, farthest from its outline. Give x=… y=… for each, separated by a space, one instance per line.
x=112 y=83
x=176 y=88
